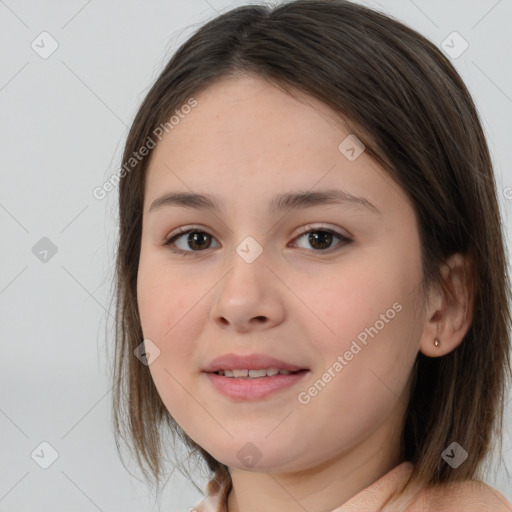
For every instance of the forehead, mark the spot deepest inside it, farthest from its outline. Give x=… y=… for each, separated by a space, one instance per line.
x=240 y=106
x=245 y=137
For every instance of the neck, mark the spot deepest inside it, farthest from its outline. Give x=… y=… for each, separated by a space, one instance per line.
x=322 y=488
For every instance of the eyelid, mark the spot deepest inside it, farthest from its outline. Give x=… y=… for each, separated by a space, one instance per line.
x=319 y=226
x=185 y=229
x=303 y=229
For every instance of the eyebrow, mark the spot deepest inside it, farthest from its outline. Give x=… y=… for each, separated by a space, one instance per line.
x=280 y=203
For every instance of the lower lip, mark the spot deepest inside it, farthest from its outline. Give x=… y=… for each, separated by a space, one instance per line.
x=252 y=389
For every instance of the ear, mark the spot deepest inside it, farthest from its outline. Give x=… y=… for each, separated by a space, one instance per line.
x=449 y=310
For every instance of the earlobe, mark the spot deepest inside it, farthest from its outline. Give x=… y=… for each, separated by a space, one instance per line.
x=448 y=321
x=435 y=348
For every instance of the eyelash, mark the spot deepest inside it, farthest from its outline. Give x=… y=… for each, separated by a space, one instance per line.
x=170 y=241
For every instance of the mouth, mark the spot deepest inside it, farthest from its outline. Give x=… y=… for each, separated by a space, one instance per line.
x=252 y=376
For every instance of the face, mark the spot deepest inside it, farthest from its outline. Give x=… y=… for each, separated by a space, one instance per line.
x=330 y=287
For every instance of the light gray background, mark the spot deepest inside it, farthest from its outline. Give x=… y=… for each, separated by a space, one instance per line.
x=63 y=122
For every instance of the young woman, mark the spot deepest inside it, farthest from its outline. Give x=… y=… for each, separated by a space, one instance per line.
x=312 y=289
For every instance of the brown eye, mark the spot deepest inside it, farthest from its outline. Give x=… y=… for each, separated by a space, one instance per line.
x=198 y=240
x=321 y=239
x=194 y=241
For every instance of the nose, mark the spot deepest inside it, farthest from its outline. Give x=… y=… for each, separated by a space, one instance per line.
x=249 y=297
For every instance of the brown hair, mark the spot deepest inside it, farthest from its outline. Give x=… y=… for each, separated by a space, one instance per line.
x=405 y=101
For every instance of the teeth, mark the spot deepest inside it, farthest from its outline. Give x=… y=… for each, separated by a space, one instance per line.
x=257 y=373
x=254 y=374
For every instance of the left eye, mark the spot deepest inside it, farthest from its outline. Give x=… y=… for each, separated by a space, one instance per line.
x=320 y=239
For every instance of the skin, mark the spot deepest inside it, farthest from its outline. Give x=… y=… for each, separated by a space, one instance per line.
x=245 y=142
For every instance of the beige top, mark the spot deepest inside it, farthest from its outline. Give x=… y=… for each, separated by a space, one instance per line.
x=466 y=496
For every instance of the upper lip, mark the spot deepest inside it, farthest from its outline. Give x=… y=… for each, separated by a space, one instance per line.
x=248 y=362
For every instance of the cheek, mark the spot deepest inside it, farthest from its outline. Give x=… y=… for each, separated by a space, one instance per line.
x=367 y=356
x=350 y=298
x=169 y=307
x=165 y=297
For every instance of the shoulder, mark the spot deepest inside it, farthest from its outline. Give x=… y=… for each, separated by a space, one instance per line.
x=469 y=495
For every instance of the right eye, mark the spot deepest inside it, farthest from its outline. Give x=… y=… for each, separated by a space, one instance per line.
x=197 y=239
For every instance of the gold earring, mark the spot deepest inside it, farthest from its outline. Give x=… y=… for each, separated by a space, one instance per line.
x=437 y=342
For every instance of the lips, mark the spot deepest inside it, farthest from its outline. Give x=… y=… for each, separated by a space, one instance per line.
x=249 y=362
